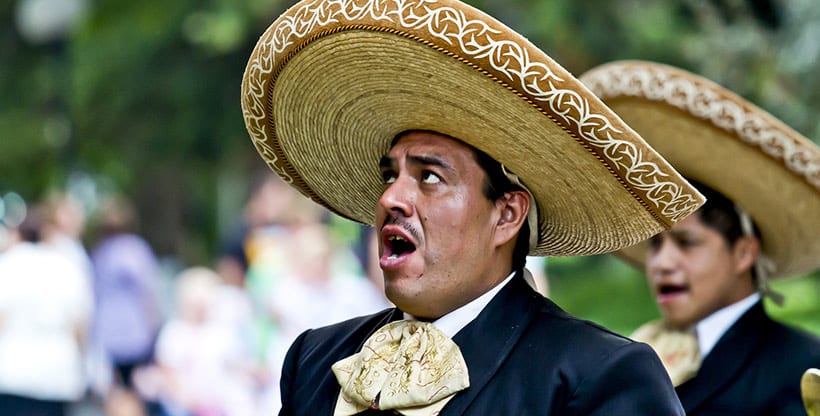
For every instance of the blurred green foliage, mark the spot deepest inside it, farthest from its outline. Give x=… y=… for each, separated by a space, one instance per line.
x=143 y=97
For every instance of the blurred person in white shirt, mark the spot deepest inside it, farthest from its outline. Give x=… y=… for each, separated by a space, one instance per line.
x=45 y=307
x=64 y=223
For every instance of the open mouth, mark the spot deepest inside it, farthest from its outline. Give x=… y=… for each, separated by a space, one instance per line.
x=396 y=246
x=671 y=289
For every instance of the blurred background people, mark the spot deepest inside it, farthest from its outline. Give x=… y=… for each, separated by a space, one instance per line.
x=45 y=310
x=203 y=362
x=64 y=222
x=253 y=258
x=268 y=208
x=321 y=282
x=123 y=402
x=126 y=274
x=316 y=290
x=63 y=229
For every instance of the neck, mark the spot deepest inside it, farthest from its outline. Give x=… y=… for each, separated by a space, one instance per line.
x=745 y=288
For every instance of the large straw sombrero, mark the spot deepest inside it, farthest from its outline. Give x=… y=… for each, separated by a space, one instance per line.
x=330 y=83
x=719 y=139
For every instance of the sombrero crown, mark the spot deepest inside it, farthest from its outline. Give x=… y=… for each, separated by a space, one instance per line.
x=331 y=82
x=715 y=137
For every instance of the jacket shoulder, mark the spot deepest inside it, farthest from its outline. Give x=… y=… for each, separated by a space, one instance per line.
x=553 y=319
x=338 y=339
x=802 y=347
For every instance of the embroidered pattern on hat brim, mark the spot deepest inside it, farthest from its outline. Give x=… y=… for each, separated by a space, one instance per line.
x=710 y=103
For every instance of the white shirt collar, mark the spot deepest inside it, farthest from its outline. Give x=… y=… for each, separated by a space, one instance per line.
x=711 y=328
x=454 y=321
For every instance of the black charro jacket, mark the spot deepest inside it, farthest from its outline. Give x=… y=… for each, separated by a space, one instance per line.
x=525 y=356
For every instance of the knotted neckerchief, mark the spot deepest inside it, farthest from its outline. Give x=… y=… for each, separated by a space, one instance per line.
x=408 y=366
x=678 y=350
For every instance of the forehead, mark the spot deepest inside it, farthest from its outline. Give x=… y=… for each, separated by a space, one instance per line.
x=431 y=144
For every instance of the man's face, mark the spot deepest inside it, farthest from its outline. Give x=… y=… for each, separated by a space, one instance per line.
x=436 y=227
x=693 y=272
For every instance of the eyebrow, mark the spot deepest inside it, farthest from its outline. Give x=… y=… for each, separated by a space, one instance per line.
x=672 y=234
x=387 y=162
x=680 y=234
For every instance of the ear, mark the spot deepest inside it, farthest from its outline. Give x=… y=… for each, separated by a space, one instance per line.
x=513 y=208
x=746 y=252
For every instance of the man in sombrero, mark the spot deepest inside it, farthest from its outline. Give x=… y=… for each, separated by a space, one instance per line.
x=710 y=271
x=467 y=149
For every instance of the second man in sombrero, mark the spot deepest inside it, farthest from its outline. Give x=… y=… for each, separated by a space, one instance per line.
x=467 y=148
x=710 y=272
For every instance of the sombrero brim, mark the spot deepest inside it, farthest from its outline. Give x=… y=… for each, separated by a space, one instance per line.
x=330 y=83
x=713 y=136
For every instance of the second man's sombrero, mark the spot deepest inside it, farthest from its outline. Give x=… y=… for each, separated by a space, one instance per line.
x=331 y=83
x=715 y=137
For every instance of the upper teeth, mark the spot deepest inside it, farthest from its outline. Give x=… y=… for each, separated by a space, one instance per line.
x=396 y=238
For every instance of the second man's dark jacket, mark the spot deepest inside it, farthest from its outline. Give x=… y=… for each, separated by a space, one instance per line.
x=754 y=369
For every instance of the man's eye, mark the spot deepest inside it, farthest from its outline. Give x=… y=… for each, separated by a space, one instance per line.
x=388 y=177
x=430 y=177
x=686 y=242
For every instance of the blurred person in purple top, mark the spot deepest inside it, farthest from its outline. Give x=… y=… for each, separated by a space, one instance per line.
x=126 y=274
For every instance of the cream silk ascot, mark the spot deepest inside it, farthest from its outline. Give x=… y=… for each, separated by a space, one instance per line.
x=408 y=366
x=678 y=350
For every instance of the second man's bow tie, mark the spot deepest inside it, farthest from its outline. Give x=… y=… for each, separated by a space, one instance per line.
x=678 y=350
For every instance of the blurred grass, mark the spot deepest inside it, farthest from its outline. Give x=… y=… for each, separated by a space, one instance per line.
x=609 y=292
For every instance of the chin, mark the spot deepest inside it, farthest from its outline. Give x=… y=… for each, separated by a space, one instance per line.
x=394 y=292
x=404 y=298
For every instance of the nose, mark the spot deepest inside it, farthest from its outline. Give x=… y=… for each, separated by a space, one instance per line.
x=662 y=260
x=399 y=197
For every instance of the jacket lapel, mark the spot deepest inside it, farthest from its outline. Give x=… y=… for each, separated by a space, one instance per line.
x=726 y=360
x=486 y=341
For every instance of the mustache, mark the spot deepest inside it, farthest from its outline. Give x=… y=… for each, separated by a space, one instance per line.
x=395 y=219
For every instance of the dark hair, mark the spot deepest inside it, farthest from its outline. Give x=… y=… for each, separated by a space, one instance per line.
x=30 y=229
x=495 y=186
x=720 y=214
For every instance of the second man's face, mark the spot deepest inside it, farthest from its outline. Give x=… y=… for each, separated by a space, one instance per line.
x=435 y=225
x=693 y=272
